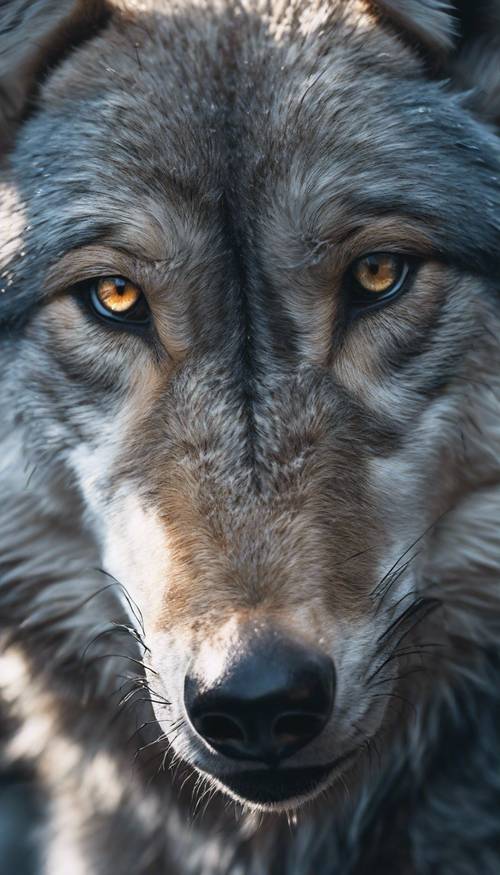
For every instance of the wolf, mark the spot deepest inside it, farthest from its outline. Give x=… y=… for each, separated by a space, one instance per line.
x=250 y=374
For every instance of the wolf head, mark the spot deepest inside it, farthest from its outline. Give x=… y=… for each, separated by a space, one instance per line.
x=249 y=297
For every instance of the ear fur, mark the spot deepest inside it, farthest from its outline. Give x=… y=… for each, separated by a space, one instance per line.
x=429 y=22
x=462 y=39
x=476 y=64
x=34 y=35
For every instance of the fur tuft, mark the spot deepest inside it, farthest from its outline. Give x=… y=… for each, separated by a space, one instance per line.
x=431 y=22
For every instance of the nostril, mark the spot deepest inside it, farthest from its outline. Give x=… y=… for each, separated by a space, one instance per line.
x=219 y=728
x=271 y=699
x=291 y=728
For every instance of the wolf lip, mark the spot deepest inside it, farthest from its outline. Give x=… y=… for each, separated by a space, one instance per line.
x=275 y=785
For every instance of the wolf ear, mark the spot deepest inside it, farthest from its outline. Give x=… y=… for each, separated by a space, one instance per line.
x=431 y=23
x=475 y=66
x=462 y=40
x=34 y=36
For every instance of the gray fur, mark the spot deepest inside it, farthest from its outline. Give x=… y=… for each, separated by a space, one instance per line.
x=33 y=35
x=430 y=21
x=258 y=457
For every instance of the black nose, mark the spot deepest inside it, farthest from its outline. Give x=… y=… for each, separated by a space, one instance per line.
x=268 y=702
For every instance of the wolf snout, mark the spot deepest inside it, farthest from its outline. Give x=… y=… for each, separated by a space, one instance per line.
x=270 y=700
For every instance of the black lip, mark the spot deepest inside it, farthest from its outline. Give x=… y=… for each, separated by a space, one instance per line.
x=273 y=785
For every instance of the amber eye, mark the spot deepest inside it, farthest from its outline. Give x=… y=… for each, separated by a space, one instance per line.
x=378 y=276
x=117 y=299
x=117 y=294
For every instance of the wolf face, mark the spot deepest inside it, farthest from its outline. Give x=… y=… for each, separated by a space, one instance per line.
x=249 y=288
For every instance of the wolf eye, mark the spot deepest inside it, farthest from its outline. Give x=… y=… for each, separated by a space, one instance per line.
x=377 y=277
x=117 y=299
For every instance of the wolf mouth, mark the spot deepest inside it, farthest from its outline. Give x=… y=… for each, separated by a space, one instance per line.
x=278 y=785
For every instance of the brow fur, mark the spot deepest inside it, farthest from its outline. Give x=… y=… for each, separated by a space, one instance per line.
x=261 y=457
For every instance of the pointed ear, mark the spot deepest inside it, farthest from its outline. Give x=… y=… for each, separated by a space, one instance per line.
x=431 y=23
x=462 y=40
x=34 y=36
x=475 y=66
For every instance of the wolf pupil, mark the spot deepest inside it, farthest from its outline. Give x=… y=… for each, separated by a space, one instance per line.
x=117 y=299
x=377 y=276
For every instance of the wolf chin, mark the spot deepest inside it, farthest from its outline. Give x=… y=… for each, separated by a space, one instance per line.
x=250 y=468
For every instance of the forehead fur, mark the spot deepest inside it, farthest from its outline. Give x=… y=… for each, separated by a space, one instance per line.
x=235 y=127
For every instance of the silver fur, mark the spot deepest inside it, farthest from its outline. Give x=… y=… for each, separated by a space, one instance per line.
x=259 y=458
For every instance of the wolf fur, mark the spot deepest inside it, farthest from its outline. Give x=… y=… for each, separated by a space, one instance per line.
x=259 y=458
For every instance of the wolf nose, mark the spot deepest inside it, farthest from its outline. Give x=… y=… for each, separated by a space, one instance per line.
x=268 y=703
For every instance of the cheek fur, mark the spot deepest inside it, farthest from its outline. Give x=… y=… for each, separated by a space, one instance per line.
x=136 y=551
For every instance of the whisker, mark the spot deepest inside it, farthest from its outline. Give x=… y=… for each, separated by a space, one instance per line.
x=420 y=603
x=113 y=627
x=399 y=677
x=138 y=662
x=427 y=609
x=393 y=579
x=421 y=650
x=134 y=607
x=160 y=738
x=395 y=696
x=353 y=556
x=394 y=567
